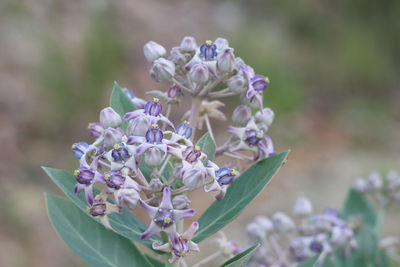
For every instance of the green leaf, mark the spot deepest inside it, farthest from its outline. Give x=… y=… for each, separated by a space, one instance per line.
x=124 y=224
x=121 y=103
x=155 y=262
x=240 y=259
x=95 y=245
x=240 y=194
x=207 y=145
x=357 y=205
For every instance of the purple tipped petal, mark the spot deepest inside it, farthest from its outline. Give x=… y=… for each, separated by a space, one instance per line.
x=151 y=211
x=181 y=214
x=142 y=148
x=78 y=188
x=188 y=234
x=135 y=139
x=153 y=229
x=167 y=121
x=89 y=194
x=133 y=114
x=166 y=199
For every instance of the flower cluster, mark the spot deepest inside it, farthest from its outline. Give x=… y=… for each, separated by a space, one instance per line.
x=125 y=145
x=286 y=240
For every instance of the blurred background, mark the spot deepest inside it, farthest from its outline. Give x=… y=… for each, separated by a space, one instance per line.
x=335 y=87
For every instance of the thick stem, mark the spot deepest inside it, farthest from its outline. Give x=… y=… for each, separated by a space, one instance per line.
x=208 y=259
x=194 y=115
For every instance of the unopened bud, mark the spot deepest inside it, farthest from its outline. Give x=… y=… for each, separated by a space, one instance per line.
x=181 y=202
x=112 y=136
x=226 y=60
x=360 y=185
x=282 y=222
x=153 y=156
x=162 y=70
x=375 y=181
x=241 y=115
x=127 y=197
x=109 y=118
x=153 y=51
x=199 y=73
x=302 y=207
x=236 y=83
x=221 y=43
x=194 y=177
x=265 y=223
x=255 y=233
x=156 y=185
x=188 y=44
x=265 y=116
x=95 y=129
x=138 y=126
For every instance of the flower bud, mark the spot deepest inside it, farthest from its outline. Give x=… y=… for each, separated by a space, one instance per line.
x=282 y=222
x=264 y=223
x=237 y=83
x=112 y=136
x=181 y=202
x=156 y=185
x=109 y=118
x=177 y=170
x=153 y=51
x=241 y=115
x=302 y=207
x=265 y=116
x=188 y=44
x=226 y=60
x=360 y=185
x=162 y=70
x=375 y=181
x=255 y=233
x=174 y=92
x=153 y=156
x=178 y=57
x=95 y=129
x=194 y=177
x=138 y=126
x=79 y=149
x=127 y=197
x=199 y=73
x=221 y=43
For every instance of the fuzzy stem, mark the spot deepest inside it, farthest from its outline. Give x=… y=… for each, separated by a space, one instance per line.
x=209 y=128
x=194 y=115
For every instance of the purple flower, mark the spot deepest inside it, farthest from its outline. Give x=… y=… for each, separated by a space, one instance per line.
x=95 y=129
x=114 y=179
x=79 y=149
x=120 y=153
x=152 y=111
x=225 y=175
x=184 y=130
x=86 y=176
x=163 y=217
x=222 y=178
x=192 y=153
x=174 y=92
x=208 y=51
x=180 y=245
x=258 y=82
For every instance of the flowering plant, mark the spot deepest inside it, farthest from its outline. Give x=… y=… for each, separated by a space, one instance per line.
x=140 y=159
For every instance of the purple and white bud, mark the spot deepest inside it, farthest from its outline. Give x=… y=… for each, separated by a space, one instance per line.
x=302 y=207
x=127 y=197
x=95 y=129
x=221 y=43
x=255 y=233
x=156 y=185
x=184 y=130
x=112 y=136
x=208 y=51
x=360 y=185
x=153 y=156
x=114 y=179
x=226 y=60
x=110 y=118
x=79 y=149
x=191 y=154
x=154 y=135
x=181 y=202
x=153 y=51
x=375 y=181
x=241 y=115
x=188 y=44
x=225 y=176
x=393 y=180
x=177 y=170
x=199 y=73
x=265 y=223
x=282 y=222
x=174 y=92
x=341 y=235
x=237 y=83
x=138 y=126
x=265 y=116
x=259 y=82
x=162 y=70
x=84 y=175
x=194 y=177
x=153 y=108
x=178 y=57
